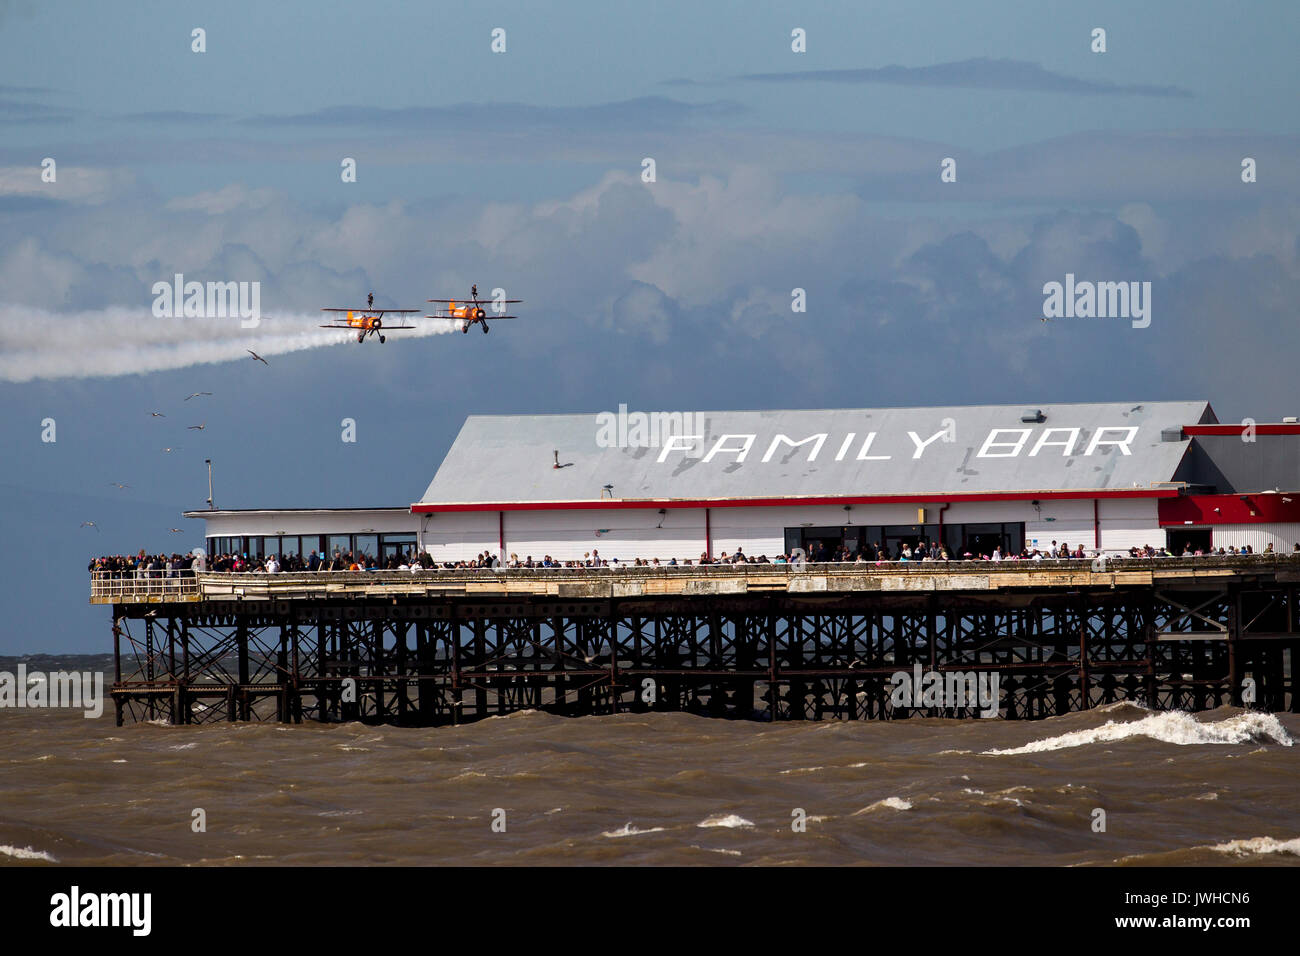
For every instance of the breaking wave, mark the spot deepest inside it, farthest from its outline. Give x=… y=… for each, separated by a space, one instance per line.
x=1171 y=727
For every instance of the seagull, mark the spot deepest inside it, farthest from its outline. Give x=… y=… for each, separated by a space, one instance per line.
x=157 y=415
x=90 y=524
x=195 y=395
x=168 y=451
x=256 y=356
x=175 y=530
x=118 y=484
x=199 y=428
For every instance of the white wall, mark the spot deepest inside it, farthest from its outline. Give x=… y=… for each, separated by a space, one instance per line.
x=633 y=532
x=616 y=533
x=1130 y=523
x=458 y=535
x=1283 y=537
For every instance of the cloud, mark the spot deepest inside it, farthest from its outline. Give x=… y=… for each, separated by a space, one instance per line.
x=674 y=283
x=641 y=113
x=226 y=199
x=72 y=183
x=980 y=73
x=16 y=112
x=179 y=117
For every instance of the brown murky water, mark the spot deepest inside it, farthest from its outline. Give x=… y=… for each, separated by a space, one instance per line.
x=655 y=789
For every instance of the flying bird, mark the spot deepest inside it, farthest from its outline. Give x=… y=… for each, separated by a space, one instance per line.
x=199 y=428
x=175 y=530
x=157 y=415
x=257 y=357
x=90 y=524
x=168 y=451
x=118 y=484
x=195 y=395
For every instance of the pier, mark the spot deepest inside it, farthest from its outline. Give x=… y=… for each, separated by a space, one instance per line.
x=753 y=641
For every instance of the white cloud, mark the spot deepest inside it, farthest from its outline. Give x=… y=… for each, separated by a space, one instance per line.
x=71 y=184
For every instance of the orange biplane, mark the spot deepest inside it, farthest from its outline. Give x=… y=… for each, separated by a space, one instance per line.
x=368 y=321
x=472 y=311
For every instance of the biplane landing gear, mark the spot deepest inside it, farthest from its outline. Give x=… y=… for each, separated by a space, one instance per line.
x=381 y=340
x=465 y=327
x=484 y=328
x=361 y=337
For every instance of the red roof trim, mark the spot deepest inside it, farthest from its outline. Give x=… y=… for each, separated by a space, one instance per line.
x=1193 y=431
x=615 y=503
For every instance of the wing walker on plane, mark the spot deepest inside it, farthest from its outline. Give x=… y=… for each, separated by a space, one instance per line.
x=370 y=321
x=470 y=312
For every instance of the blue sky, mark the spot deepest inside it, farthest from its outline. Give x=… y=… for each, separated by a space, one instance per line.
x=775 y=170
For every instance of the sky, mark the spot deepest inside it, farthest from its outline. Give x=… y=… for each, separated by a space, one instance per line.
x=775 y=170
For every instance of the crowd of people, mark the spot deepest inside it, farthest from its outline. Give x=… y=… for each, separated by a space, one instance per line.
x=142 y=564
x=177 y=565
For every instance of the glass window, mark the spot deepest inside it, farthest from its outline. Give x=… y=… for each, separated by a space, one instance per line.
x=368 y=545
x=339 y=544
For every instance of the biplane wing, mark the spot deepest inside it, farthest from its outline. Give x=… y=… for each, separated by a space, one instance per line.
x=472 y=301
x=379 y=312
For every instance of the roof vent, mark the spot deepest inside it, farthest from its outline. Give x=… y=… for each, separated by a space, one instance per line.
x=1171 y=434
x=1033 y=415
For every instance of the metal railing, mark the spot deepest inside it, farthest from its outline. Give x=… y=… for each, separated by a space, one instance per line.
x=127 y=587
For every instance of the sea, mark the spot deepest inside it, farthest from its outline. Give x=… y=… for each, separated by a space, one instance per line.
x=1115 y=786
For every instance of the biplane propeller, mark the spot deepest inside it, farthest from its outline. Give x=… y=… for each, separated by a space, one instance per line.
x=471 y=311
x=368 y=321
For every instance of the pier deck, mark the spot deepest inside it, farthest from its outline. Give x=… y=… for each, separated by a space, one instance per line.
x=765 y=641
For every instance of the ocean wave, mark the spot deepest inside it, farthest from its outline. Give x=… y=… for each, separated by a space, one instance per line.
x=1171 y=727
x=730 y=820
x=627 y=830
x=1258 y=846
x=889 y=803
x=715 y=849
x=26 y=853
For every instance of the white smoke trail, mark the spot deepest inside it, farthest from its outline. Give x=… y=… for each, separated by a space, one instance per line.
x=38 y=344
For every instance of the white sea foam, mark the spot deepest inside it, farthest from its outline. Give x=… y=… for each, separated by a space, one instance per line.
x=1259 y=846
x=627 y=830
x=1171 y=727
x=889 y=803
x=730 y=820
x=715 y=849
x=26 y=853
x=807 y=769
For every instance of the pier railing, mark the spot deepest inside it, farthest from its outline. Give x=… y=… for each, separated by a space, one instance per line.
x=715 y=579
x=136 y=587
